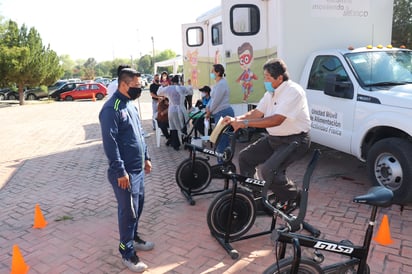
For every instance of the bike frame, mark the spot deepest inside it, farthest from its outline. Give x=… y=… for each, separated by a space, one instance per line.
x=376 y=197
x=216 y=170
x=296 y=222
x=358 y=254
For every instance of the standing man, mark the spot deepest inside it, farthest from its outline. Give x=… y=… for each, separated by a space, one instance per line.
x=284 y=112
x=154 y=86
x=112 y=87
x=129 y=161
x=189 y=98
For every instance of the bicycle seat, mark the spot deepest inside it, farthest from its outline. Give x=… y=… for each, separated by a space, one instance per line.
x=376 y=196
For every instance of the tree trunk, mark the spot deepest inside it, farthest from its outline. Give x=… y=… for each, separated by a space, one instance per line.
x=21 y=94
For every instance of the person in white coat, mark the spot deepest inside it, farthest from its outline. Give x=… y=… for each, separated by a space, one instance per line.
x=177 y=112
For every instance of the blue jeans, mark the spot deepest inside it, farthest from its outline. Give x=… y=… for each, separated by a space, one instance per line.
x=224 y=139
x=129 y=208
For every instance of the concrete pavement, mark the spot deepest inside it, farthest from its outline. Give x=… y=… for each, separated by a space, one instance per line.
x=51 y=154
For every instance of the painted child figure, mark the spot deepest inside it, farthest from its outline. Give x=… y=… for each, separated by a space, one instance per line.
x=245 y=53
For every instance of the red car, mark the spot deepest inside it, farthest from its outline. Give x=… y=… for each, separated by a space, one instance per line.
x=85 y=91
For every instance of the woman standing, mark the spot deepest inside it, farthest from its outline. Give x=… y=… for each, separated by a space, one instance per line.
x=177 y=112
x=219 y=104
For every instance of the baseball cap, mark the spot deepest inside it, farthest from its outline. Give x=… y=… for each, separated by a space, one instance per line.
x=205 y=89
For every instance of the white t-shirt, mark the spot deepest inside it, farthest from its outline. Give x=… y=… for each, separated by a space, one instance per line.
x=288 y=100
x=111 y=88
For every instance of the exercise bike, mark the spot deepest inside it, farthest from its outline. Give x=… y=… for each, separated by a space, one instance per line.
x=233 y=212
x=195 y=173
x=356 y=262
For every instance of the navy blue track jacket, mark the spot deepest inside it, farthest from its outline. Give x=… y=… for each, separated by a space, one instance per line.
x=122 y=135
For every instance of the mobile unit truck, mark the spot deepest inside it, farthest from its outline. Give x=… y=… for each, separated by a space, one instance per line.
x=360 y=96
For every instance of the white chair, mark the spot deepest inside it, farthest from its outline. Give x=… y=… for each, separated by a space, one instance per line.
x=158 y=132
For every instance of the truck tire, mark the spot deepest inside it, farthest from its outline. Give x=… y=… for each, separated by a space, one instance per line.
x=389 y=164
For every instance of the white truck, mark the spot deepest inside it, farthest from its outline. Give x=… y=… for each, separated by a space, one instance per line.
x=360 y=96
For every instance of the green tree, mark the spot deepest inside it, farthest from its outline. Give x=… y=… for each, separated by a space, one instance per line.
x=145 y=64
x=25 y=61
x=67 y=64
x=402 y=23
x=89 y=69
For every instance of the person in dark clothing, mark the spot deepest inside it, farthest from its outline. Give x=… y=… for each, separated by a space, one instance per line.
x=189 y=98
x=163 y=117
x=198 y=118
x=129 y=161
x=154 y=86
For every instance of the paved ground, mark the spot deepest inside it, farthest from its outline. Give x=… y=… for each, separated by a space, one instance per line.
x=51 y=154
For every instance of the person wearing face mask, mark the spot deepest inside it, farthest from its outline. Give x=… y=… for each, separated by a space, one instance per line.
x=112 y=87
x=219 y=105
x=283 y=111
x=129 y=161
x=199 y=116
x=177 y=112
x=154 y=87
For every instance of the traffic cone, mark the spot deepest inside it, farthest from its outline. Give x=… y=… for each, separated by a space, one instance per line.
x=18 y=266
x=383 y=236
x=94 y=98
x=39 y=221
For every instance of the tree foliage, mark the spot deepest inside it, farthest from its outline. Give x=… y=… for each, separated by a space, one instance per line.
x=402 y=23
x=24 y=61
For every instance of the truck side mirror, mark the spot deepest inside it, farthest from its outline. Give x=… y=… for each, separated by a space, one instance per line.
x=338 y=86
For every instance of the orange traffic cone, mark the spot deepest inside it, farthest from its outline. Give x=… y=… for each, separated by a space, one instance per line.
x=94 y=98
x=18 y=266
x=383 y=236
x=39 y=221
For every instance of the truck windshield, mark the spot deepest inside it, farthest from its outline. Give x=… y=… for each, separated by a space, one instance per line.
x=382 y=68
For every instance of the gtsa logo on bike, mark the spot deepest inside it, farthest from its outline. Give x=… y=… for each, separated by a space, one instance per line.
x=333 y=247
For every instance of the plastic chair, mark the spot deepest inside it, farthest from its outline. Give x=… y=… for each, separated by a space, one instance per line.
x=158 y=132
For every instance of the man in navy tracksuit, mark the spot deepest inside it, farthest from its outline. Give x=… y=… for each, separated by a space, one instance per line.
x=126 y=150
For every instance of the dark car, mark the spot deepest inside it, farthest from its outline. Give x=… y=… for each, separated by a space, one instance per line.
x=85 y=91
x=35 y=94
x=55 y=94
x=8 y=94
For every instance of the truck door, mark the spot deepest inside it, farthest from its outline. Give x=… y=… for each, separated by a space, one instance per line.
x=246 y=49
x=331 y=98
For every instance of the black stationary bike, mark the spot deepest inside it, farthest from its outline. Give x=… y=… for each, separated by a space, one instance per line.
x=357 y=255
x=195 y=173
x=233 y=212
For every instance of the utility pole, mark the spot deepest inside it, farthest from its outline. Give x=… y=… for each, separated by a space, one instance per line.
x=153 y=56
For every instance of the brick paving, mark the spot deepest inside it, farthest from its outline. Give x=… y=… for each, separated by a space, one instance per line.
x=51 y=154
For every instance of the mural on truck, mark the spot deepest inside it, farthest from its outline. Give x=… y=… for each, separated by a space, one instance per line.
x=192 y=58
x=245 y=54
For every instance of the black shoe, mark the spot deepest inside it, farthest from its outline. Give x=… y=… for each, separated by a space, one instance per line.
x=289 y=205
x=176 y=148
x=168 y=143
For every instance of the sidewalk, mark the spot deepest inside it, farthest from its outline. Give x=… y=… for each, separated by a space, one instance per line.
x=51 y=154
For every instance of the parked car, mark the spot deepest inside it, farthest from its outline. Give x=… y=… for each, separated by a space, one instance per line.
x=102 y=80
x=58 y=84
x=85 y=91
x=55 y=94
x=35 y=94
x=8 y=94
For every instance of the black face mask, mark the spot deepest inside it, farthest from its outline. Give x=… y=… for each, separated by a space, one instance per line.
x=134 y=93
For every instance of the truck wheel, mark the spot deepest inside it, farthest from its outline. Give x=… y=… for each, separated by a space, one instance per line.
x=389 y=164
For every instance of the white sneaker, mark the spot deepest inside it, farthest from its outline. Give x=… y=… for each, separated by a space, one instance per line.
x=141 y=245
x=134 y=264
